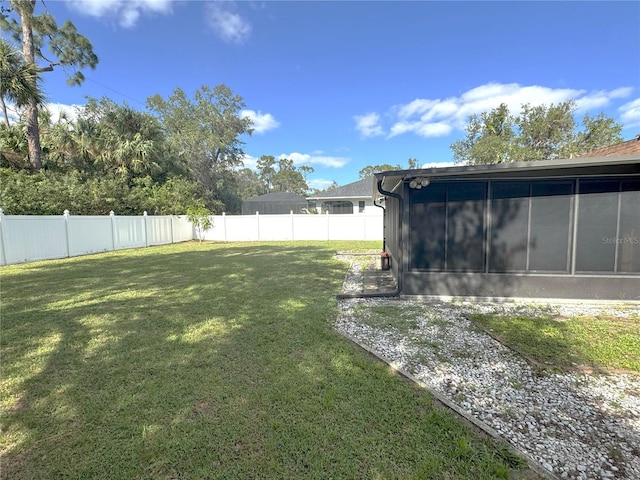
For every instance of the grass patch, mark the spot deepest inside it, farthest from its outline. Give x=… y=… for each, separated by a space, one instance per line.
x=209 y=361
x=599 y=343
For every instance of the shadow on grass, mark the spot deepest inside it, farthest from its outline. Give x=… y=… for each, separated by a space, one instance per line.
x=600 y=344
x=207 y=361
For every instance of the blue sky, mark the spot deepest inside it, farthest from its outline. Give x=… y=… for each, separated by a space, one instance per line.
x=342 y=85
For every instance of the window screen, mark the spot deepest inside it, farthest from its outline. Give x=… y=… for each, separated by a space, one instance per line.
x=428 y=227
x=340 y=207
x=628 y=242
x=465 y=227
x=509 y=226
x=550 y=224
x=597 y=225
x=447 y=223
x=530 y=226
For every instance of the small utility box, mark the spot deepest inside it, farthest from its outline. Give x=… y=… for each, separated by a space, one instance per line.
x=385 y=261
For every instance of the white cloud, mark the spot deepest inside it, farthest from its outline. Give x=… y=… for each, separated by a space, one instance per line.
x=630 y=113
x=436 y=117
x=369 y=125
x=309 y=159
x=437 y=129
x=56 y=110
x=416 y=107
x=126 y=11
x=262 y=122
x=69 y=111
x=228 y=25
x=320 y=183
x=249 y=161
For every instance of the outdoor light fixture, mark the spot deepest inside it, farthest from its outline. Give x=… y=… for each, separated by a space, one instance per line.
x=419 y=182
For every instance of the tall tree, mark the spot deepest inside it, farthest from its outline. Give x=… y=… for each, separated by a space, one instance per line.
x=371 y=169
x=599 y=131
x=538 y=133
x=249 y=184
x=18 y=80
x=282 y=176
x=205 y=133
x=545 y=131
x=489 y=137
x=66 y=47
x=266 y=166
x=288 y=178
x=108 y=139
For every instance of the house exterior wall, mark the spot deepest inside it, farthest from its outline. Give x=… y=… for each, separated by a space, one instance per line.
x=569 y=237
x=369 y=207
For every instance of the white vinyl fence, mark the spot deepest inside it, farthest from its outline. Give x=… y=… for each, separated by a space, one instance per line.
x=250 y=228
x=27 y=238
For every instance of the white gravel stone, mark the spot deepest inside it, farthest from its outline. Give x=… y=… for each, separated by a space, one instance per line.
x=577 y=425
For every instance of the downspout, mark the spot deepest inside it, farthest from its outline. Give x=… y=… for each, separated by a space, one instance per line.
x=398 y=289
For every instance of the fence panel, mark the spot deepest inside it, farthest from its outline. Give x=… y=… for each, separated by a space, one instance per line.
x=285 y=227
x=25 y=238
x=28 y=238
x=240 y=228
x=159 y=230
x=373 y=227
x=275 y=227
x=129 y=232
x=182 y=229
x=311 y=227
x=341 y=227
x=90 y=234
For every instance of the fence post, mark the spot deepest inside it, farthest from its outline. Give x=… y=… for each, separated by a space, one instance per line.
x=224 y=224
x=66 y=229
x=328 y=227
x=2 y=239
x=171 y=229
x=146 y=237
x=258 y=222
x=292 y=235
x=112 y=216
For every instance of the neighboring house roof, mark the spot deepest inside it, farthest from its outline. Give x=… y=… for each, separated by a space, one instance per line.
x=603 y=164
x=275 y=203
x=278 y=197
x=359 y=189
x=622 y=148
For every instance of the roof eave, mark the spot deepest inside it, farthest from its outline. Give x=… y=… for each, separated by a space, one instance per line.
x=391 y=178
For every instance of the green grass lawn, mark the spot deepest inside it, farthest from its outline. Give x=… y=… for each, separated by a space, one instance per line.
x=600 y=343
x=203 y=361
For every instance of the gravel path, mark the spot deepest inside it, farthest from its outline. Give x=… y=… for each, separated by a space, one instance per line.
x=578 y=426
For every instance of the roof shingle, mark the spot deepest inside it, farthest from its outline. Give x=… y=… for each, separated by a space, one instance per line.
x=361 y=188
x=624 y=148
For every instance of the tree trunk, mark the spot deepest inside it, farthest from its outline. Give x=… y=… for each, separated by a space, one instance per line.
x=4 y=111
x=26 y=9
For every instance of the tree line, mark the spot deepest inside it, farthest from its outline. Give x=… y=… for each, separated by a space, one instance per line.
x=183 y=152
x=187 y=152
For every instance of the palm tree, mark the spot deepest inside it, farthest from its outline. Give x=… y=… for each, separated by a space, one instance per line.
x=18 y=80
x=67 y=47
